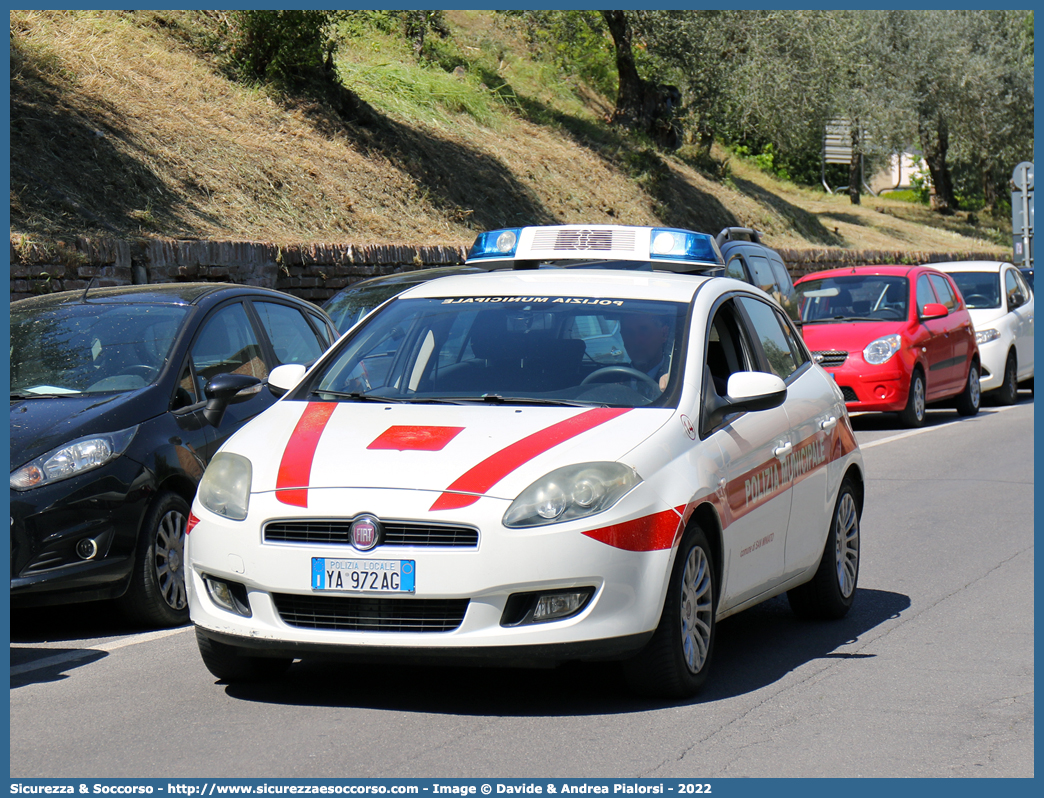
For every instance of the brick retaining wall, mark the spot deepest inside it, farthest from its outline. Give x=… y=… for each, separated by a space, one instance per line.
x=311 y=271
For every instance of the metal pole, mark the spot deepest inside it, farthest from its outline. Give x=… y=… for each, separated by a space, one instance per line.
x=1027 y=259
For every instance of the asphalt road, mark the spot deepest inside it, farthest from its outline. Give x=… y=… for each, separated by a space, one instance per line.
x=930 y=675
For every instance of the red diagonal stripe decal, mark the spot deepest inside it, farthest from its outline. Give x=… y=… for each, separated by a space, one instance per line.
x=419 y=439
x=295 y=469
x=649 y=533
x=497 y=466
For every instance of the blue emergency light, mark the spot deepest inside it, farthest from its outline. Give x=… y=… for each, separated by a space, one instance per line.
x=495 y=244
x=669 y=243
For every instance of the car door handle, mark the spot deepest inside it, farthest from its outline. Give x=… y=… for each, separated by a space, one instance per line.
x=784 y=450
x=830 y=423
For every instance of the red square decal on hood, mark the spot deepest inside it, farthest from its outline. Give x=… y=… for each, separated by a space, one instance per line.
x=419 y=439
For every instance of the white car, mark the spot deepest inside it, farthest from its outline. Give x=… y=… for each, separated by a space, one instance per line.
x=1000 y=304
x=458 y=480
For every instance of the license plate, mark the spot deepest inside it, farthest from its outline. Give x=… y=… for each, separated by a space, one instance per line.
x=364 y=576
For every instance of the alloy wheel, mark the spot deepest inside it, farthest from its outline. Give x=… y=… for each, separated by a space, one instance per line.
x=696 y=608
x=847 y=544
x=170 y=559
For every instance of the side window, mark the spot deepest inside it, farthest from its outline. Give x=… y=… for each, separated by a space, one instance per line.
x=734 y=269
x=185 y=394
x=925 y=294
x=728 y=351
x=227 y=345
x=768 y=330
x=1011 y=289
x=943 y=291
x=1026 y=290
x=763 y=276
x=291 y=335
x=324 y=329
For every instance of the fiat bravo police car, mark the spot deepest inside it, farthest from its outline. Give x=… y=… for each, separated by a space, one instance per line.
x=462 y=478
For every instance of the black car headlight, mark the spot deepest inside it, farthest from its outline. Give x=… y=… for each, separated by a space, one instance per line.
x=76 y=457
x=572 y=492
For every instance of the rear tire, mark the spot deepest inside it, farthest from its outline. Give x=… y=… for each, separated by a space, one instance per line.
x=831 y=592
x=232 y=664
x=913 y=414
x=969 y=399
x=675 y=662
x=1008 y=393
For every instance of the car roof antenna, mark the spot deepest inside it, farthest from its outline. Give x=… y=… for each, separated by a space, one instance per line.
x=83 y=299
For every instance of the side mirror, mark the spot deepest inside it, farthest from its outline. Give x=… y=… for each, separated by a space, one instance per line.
x=745 y=391
x=933 y=310
x=224 y=390
x=1017 y=300
x=283 y=378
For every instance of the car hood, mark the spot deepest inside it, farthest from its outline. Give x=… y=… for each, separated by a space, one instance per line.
x=45 y=423
x=849 y=336
x=983 y=317
x=463 y=449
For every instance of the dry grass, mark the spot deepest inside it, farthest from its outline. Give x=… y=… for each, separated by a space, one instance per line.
x=120 y=126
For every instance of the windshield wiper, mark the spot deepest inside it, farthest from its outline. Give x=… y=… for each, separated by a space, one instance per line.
x=44 y=395
x=497 y=399
x=357 y=396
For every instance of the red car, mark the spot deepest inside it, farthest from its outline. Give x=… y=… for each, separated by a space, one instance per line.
x=895 y=338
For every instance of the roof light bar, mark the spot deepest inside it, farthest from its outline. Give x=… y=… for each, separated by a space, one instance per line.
x=495 y=244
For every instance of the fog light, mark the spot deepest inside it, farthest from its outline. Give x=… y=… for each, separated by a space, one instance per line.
x=231 y=596
x=558 y=605
x=881 y=391
x=86 y=549
x=526 y=608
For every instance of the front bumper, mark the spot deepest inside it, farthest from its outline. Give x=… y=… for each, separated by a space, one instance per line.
x=623 y=611
x=866 y=387
x=106 y=506
x=993 y=357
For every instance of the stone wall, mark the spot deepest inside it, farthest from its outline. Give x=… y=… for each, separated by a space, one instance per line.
x=311 y=271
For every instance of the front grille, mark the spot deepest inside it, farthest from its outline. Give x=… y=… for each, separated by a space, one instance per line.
x=396 y=533
x=366 y=614
x=584 y=240
x=830 y=357
x=848 y=393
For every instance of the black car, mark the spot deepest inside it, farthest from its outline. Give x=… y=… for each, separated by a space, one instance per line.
x=747 y=259
x=119 y=397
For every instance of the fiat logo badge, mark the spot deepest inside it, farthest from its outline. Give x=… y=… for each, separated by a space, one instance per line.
x=366 y=531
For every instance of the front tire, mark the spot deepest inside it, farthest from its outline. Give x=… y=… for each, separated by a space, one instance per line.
x=969 y=399
x=1009 y=390
x=231 y=664
x=913 y=414
x=675 y=662
x=832 y=590
x=156 y=595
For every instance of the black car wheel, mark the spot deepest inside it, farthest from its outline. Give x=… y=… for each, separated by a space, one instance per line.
x=913 y=414
x=232 y=664
x=156 y=596
x=968 y=400
x=675 y=663
x=1009 y=390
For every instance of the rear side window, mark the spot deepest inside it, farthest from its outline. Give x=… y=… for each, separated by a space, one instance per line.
x=735 y=270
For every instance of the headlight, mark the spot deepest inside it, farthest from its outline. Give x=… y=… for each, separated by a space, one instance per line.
x=878 y=352
x=572 y=492
x=73 y=458
x=985 y=336
x=225 y=487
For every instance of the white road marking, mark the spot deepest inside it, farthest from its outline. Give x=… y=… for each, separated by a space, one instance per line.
x=913 y=432
x=71 y=656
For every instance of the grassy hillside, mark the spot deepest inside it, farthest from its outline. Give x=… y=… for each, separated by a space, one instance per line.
x=122 y=123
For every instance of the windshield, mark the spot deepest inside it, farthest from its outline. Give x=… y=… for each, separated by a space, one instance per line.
x=90 y=348
x=505 y=350
x=348 y=308
x=979 y=289
x=853 y=297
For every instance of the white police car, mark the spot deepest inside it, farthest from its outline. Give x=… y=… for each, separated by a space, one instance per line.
x=460 y=479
